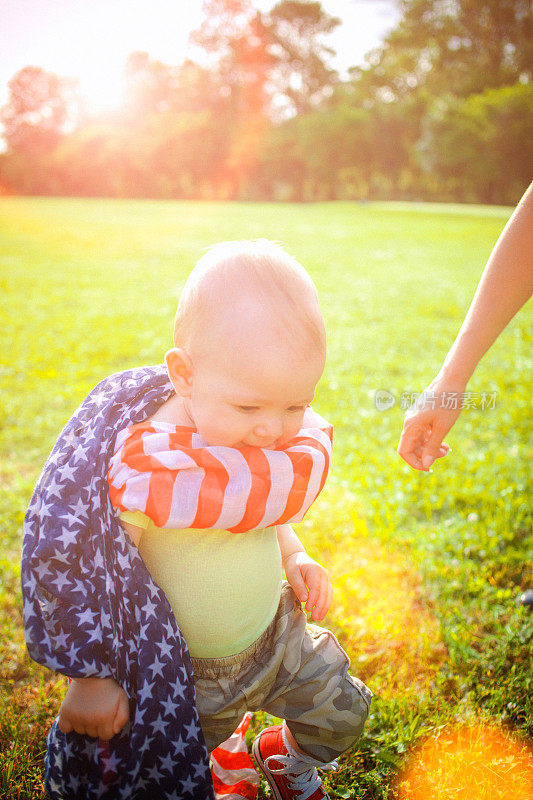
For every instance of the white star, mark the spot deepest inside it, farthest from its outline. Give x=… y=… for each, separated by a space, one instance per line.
x=98 y=560
x=69 y=440
x=192 y=730
x=144 y=692
x=80 y=453
x=143 y=628
x=35 y=505
x=62 y=558
x=169 y=705
x=80 y=587
x=170 y=628
x=44 y=512
x=156 y=667
x=188 y=786
x=42 y=570
x=200 y=770
x=178 y=688
x=68 y=472
x=99 y=399
x=86 y=616
x=158 y=725
x=164 y=648
x=95 y=634
x=55 y=787
x=154 y=590
x=179 y=745
x=150 y=608
x=61 y=581
x=54 y=488
x=154 y=773
x=67 y=536
x=105 y=619
x=167 y=763
x=123 y=561
x=71 y=518
x=111 y=761
x=73 y=782
x=61 y=639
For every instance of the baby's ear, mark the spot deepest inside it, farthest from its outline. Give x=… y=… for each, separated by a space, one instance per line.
x=179 y=368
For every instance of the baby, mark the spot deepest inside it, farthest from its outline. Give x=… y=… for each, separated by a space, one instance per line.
x=249 y=350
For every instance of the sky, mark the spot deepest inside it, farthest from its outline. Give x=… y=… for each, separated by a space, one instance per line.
x=90 y=39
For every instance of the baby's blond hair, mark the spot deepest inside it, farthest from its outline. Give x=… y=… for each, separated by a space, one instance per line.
x=256 y=274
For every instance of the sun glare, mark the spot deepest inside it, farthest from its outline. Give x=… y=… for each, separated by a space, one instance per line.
x=400 y=634
x=477 y=762
x=103 y=90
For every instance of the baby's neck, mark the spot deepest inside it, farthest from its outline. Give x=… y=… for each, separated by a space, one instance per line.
x=173 y=411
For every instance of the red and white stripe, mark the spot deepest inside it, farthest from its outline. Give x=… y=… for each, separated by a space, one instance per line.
x=169 y=473
x=233 y=772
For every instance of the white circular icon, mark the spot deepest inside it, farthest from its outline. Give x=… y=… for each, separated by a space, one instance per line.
x=384 y=400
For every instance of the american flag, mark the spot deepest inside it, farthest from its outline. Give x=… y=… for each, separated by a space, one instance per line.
x=91 y=608
x=169 y=473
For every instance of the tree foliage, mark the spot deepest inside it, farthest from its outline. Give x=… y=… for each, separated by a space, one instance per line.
x=442 y=110
x=38 y=111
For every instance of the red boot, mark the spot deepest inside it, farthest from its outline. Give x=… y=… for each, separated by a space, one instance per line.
x=290 y=775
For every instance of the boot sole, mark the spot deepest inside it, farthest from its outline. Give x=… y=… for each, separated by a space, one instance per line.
x=261 y=764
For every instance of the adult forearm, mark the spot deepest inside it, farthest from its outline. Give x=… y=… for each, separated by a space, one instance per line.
x=505 y=285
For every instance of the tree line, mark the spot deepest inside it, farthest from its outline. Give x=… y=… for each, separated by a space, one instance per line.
x=442 y=110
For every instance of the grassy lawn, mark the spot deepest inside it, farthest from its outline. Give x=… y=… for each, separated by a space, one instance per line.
x=426 y=567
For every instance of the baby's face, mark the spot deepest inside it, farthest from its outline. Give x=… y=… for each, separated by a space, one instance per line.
x=255 y=397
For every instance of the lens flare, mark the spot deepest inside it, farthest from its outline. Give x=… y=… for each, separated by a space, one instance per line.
x=474 y=762
x=380 y=615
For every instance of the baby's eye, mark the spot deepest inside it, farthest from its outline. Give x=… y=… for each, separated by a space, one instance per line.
x=295 y=409
x=247 y=409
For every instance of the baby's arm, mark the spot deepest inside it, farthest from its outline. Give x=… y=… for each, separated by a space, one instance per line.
x=134 y=531
x=97 y=706
x=308 y=578
x=94 y=706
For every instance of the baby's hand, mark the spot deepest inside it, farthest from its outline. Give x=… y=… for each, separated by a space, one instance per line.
x=95 y=706
x=311 y=583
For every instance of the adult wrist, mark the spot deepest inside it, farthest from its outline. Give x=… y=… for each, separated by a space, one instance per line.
x=452 y=377
x=286 y=557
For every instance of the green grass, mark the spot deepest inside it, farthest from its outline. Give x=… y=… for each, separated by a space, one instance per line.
x=426 y=566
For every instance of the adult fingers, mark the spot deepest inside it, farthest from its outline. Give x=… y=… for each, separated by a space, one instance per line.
x=409 y=448
x=432 y=449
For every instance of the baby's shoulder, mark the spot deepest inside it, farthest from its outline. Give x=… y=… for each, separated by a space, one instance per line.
x=171 y=411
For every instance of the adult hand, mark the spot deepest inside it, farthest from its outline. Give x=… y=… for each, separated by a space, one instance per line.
x=96 y=707
x=310 y=582
x=427 y=422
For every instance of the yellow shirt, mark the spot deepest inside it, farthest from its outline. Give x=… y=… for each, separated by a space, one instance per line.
x=224 y=588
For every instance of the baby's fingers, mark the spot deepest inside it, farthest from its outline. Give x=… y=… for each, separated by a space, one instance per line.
x=65 y=723
x=317 y=592
x=295 y=578
x=123 y=713
x=324 y=599
x=323 y=607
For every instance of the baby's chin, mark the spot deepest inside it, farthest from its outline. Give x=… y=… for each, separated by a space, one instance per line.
x=241 y=445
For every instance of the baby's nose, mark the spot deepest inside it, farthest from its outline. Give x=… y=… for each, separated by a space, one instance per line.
x=270 y=428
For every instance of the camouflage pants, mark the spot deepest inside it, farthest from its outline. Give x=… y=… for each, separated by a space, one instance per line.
x=295 y=671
